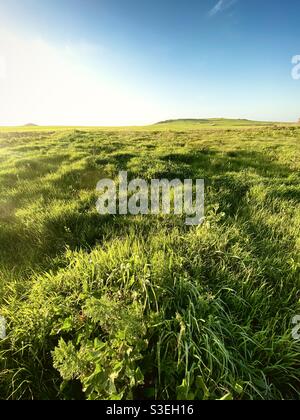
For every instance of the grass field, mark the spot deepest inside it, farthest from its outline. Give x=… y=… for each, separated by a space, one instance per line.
x=106 y=307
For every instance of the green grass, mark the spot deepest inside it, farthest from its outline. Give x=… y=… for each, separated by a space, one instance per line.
x=105 y=307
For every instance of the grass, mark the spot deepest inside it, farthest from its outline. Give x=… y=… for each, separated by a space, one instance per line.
x=129 y=307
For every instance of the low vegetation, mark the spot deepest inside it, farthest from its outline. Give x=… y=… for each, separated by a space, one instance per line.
x=124 y=307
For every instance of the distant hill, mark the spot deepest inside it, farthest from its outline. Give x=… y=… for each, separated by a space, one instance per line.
x=213 y=121
x=188 y=120
x=30 y=125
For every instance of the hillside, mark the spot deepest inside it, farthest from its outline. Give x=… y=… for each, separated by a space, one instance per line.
x=210 y=122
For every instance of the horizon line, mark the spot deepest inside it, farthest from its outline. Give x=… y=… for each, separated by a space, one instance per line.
x=191 y=119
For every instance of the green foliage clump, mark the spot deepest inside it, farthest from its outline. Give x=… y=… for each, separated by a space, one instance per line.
x=106 y=367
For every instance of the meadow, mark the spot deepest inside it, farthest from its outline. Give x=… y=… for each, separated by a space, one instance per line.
x=145 y=307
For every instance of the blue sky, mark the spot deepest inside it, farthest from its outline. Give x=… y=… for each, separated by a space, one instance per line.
x=125 y=62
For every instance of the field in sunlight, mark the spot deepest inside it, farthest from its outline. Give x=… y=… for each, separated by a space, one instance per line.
x=106 y=307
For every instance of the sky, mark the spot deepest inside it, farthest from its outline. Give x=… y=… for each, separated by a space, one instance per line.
x=136 y=62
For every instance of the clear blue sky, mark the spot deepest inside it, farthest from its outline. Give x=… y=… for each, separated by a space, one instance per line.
x=105 y=62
